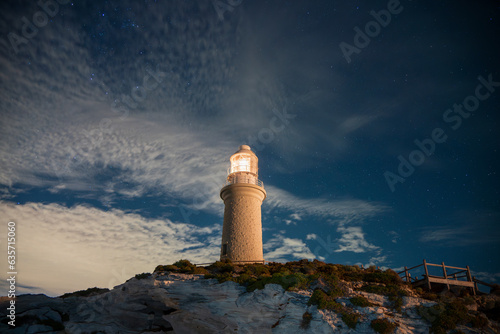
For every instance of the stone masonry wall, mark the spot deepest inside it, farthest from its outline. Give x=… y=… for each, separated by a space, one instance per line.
x=242 y=228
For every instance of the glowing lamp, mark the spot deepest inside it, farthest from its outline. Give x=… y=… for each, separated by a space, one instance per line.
x=244 y=167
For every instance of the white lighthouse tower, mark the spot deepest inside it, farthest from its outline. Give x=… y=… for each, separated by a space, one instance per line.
x=242 y=194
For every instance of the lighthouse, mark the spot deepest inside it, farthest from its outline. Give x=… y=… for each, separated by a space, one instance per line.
x=242 y=194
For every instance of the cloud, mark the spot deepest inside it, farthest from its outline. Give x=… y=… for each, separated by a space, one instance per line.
x=487 y=277
x=65 y=249
x=465 y=227
x=353 y=240
x=62 y=128
x=61 y=133
x=394 y=236
x=376 y=261
x=280 y=248
x=346 y=211
x=464 y=235
x=58 y=131
x=440 y=233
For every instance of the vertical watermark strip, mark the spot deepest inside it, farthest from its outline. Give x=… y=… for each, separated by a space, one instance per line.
x=11 y=272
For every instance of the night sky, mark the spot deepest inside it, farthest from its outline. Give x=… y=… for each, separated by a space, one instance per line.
x=375 y=124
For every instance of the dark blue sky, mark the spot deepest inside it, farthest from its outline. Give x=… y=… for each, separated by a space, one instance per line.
x=118 y=118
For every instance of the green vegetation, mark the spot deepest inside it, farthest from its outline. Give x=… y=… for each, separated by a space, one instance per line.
x=350 y=319
x=169 y=267
x=360 y=301
x=292 y=275
x=306 y=320
x=383 y=326
x=142 y=276
x=85 y=293
x=479 y=321
x=394 y=292
x=326 y=301
x=447 y=314
x=183 y=267
x=331 y=281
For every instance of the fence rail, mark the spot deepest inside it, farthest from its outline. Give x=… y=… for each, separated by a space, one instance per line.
x=455 y=278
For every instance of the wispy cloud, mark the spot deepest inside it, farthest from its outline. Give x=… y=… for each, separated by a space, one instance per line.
x=394 y=236
x=465 y=227
x=463 y=235
x=64 y=249
x=492 y=278
x=376 y=261
x=353 y=240
x=280 y=248
x=345 y=211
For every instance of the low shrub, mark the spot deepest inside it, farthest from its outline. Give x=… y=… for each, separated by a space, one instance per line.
x=306 y=320
x=386 y=277
x=85 y=293
x=185 y=266
x=324 y=301
x=221 y=267
x=383 y=326
x=479 y=321
x=142 y=276
x=446 y=315
x=287 y=281
x=163 y=268
x=256 y=269
x=350 y=319
x=360 y=301
x=199 y=271
x=392 y=291
x=182 y=266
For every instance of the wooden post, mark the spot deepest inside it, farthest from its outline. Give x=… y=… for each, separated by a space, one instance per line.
x=445 y=276
x=406 y=274
x=427 y=276
x=469 y=278
x=475 y=283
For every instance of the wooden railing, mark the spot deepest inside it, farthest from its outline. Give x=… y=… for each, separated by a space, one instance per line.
x=455 y=278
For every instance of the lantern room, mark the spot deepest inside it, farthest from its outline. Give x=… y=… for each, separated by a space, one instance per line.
x=244 y=160
x=244 y=167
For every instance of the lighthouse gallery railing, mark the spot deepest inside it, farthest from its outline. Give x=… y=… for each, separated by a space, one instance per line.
x=244 y=179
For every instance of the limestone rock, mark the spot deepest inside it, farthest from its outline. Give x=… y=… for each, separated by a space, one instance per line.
x=182 y=303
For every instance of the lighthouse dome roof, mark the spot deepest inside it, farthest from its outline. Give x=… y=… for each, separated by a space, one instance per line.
x=245 y=149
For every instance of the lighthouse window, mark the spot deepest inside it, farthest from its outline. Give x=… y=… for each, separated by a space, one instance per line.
x=224 y=249
x=241 y=164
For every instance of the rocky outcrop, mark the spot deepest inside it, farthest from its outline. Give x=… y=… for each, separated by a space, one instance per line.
x=181 y=303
